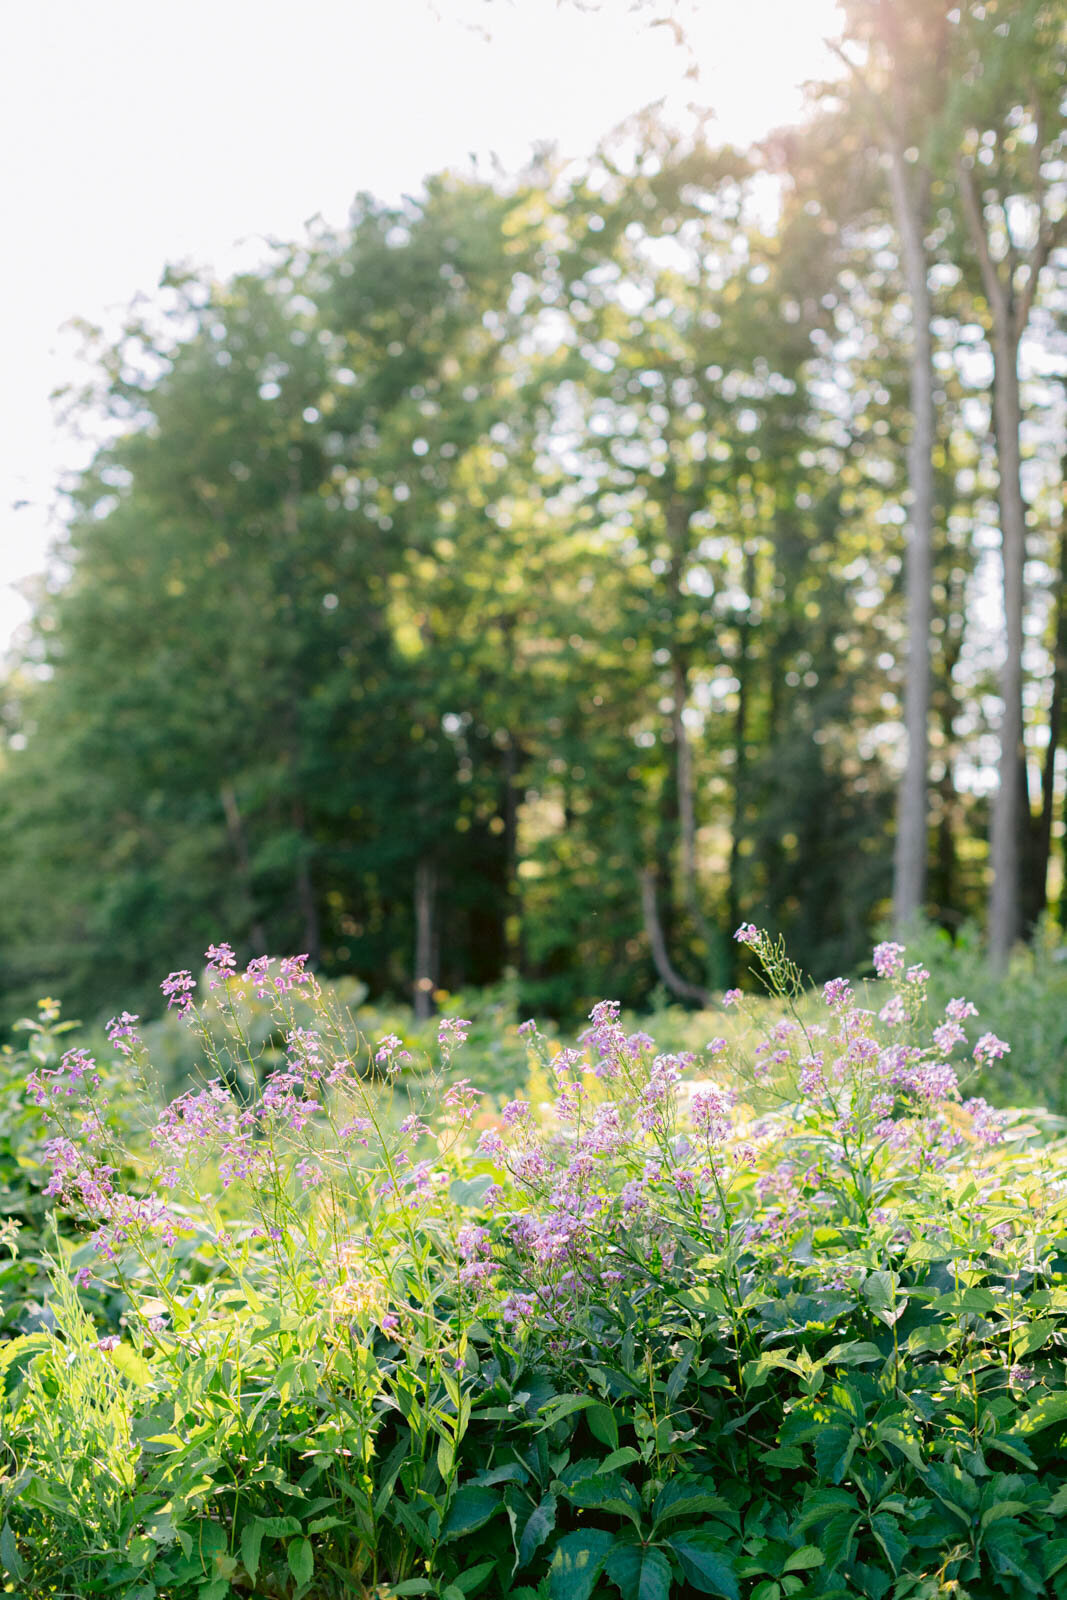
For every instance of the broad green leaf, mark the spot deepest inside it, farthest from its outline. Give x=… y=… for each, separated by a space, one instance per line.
x=134 y=1368
x=639 y=1572
x=471 y=1508
x=467 y=1192
x=620 y=1458
x=301 y=1558
x=13 y=1563
x=1049 y=1410
x=565 y=1405
x=681 y=1499
x=603 y=1426
x=809 y=1555
x=251 y=1542
x=468 y=1581
x=610 y=1494
x=577 y=1563
x=856 y=1353
x=539 y=1524
x=705 y=1560
x=886 y=1530
x=833 y=1449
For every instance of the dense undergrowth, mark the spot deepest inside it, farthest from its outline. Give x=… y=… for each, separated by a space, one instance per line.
x=781 y=1315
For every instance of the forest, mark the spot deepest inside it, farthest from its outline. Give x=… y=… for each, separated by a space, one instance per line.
x=538 y=578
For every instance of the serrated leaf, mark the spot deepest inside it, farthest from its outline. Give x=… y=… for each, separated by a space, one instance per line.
x=610 y=1494
x=251 y=1543
x=577 y=1563
x=641 y=1573
x=603 y=1425
x=539 y=1524
x=13 y=1563
x=809 y=1555
x=705 y=1561
x=620 y=1458
x=886 y=1530
x=832 y=1451
x=301 y=1559
x=680 y=1499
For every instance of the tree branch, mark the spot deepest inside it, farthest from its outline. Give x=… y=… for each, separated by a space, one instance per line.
x=995 y=291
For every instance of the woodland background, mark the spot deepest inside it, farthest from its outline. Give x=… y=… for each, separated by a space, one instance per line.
x=537 y=578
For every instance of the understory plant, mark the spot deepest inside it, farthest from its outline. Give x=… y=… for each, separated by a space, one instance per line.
x=782 y=1317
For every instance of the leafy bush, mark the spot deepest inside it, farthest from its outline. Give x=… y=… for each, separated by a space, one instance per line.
x=782 y=1317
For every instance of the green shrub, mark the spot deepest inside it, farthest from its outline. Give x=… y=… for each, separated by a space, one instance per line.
x=784 y=1317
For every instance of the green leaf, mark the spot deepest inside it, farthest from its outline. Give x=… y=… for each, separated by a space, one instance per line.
x=251 y=1540
x=1049 y=1410
x=468 y=1581
x=833 y=1451
x=134 y=1368
x=577 y=1563
x=609 y=1494
x=471 y=1508
x=13 y=1563
x=603 y=1426
x=809 y=1555
x=278 y=1527
x=681 y=1499
x=1030 y=1338
x=539 y=1524
x=886 y=1530
x=565 y=1405
x=854 y=1354
x=301 y=1558
x=469 y=1192
x=639 y=1573
x=620 y=1458
x=705 y=1562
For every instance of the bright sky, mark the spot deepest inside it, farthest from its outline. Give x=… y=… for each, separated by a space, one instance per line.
x=136 y=134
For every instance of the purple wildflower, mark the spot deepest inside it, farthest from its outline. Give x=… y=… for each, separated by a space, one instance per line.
x=121 y=1035
x=888 y=958
x=221 y=962
x=837 y=993
x=177 y=988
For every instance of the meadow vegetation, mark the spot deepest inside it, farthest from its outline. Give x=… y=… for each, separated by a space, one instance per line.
x=776 y=1309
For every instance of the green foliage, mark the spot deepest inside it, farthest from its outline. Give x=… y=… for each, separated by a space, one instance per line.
x=642 y=1346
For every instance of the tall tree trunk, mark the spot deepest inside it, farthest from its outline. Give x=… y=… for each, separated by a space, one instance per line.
x=910 y=854
x=733 y=887
x=1038 y=901
x=425 y=943
x=1005 y=913
x=1009 y=304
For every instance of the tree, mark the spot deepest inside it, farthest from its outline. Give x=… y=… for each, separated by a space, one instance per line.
x=1007 y=119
